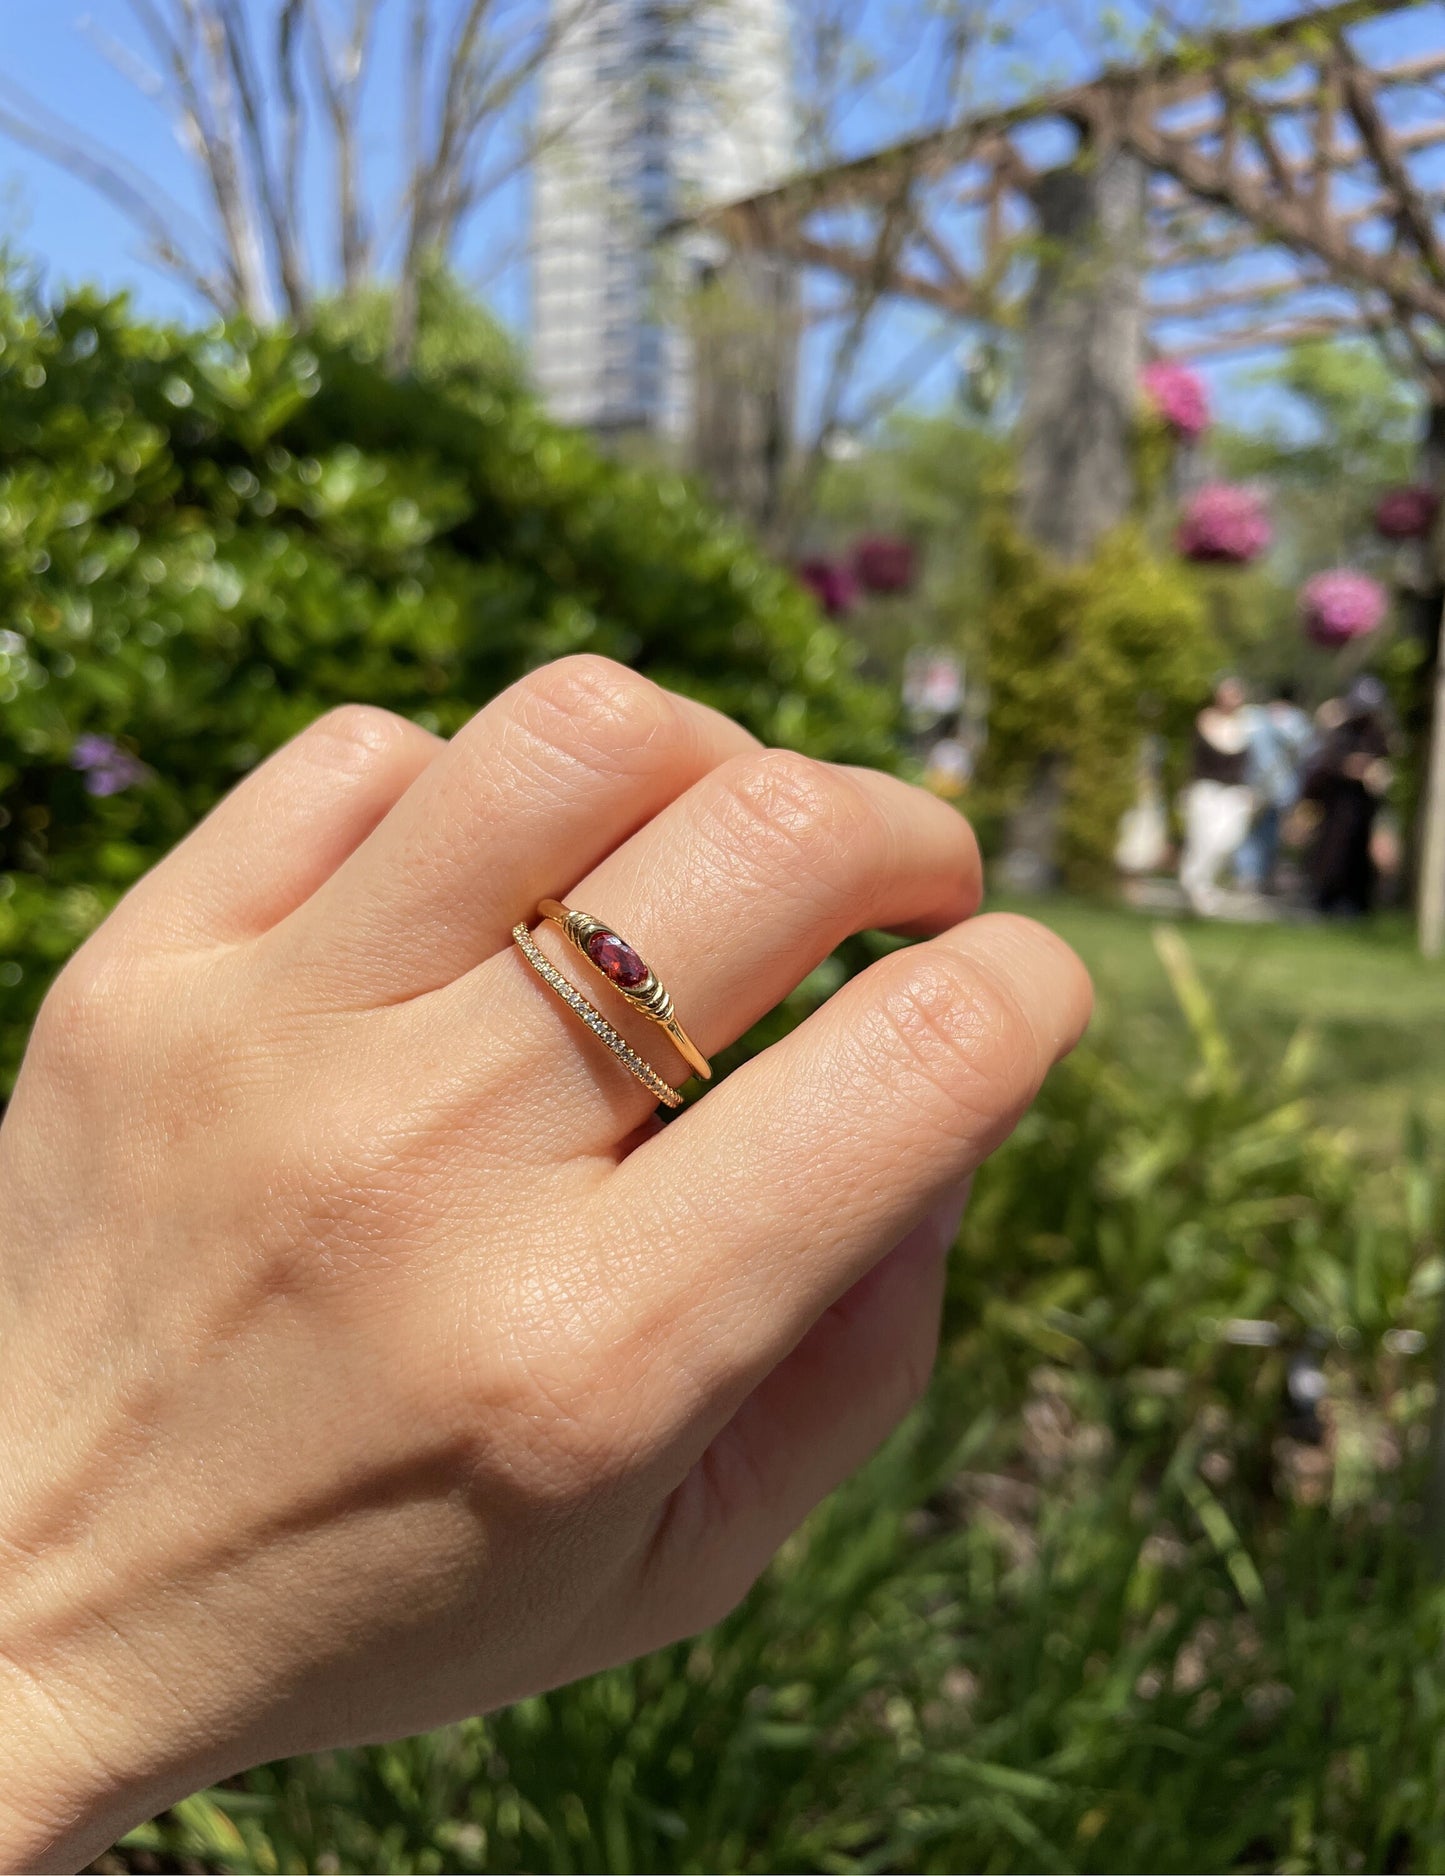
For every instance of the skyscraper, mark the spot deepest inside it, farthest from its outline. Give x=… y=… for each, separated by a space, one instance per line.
x=649 y=109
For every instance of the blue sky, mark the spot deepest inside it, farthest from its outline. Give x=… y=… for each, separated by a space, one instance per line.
x=52 y=50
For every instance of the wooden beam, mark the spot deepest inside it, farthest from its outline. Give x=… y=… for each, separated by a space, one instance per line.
x=1269 y=339
x=1221 y=299
x=1343 y=156
x=860 y=266
x=953 y=274
x=1285 y=220
x=1171 y=79
x=1412 y=216
x=1305 y=98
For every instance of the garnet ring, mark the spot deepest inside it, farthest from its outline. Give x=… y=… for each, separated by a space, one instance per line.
x=606 y=952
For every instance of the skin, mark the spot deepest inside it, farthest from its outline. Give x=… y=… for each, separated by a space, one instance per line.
x=372 y=1356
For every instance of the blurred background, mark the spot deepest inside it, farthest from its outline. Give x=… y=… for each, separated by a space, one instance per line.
x=1046 y=402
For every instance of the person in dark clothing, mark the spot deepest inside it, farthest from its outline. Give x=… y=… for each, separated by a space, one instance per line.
x=1349 y=778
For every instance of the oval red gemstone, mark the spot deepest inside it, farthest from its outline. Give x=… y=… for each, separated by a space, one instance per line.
x=615 y=957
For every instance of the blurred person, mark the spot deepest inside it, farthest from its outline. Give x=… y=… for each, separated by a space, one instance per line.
x=1348 y=778
x=1218 y=802
x=948 y=765
x=373 y=1357
x=1143 y=841
x=1280 y=738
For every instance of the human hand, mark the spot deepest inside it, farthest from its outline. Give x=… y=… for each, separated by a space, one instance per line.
x=371 y=1357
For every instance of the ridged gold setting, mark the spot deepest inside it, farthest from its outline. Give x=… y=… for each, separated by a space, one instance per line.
x=650 y=995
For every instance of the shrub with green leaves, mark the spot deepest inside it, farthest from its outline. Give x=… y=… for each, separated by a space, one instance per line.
x=208 y=539
x=1081 y=661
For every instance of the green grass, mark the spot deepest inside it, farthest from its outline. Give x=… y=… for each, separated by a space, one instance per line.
x=1375 y=1008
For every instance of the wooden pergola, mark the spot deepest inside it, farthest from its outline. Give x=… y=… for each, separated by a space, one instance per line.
x=1244 y=192
x=1277 y=157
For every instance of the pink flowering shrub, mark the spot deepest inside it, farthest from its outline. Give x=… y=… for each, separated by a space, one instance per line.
x=1225 y=525
x=1177 y=395
x=832 y=584
x=1406 y=514
x=884 y=563
x=1341 y=605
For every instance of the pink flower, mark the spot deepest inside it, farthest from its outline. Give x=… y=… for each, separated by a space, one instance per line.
x=884 y=563
x=1178 y=396
x=1406 y=514
x=1224 y=524
x=831 y=584
x=1340 y=605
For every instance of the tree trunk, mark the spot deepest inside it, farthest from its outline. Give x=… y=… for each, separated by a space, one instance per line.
x=742 y=330
x=1425 y=720
x=1083 y=349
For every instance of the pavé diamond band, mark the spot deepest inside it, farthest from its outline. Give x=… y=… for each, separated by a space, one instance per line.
x=595 y=1020
x=606 y=952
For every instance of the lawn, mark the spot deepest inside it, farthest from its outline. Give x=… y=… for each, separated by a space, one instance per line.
x=1374 y=1009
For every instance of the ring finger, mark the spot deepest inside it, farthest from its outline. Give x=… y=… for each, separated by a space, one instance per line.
x=732 y=894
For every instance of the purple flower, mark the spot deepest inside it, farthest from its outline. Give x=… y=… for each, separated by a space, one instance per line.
x=106 y=766
x=1340 y=605
x=1224 y=524
x=884 y=563
x=831 y=584
x=1178 y=396
x=1406 y=514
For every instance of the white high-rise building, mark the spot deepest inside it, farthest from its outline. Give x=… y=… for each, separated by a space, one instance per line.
x=649 y=109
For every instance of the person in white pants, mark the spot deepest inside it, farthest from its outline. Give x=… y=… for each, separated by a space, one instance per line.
x=1218 y=803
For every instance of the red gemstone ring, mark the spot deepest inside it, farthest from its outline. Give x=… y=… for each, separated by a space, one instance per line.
x=606 y=952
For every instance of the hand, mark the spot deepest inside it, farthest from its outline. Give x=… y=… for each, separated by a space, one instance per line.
x=371 y=1356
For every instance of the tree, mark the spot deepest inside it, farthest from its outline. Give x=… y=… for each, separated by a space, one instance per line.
x=254 y=87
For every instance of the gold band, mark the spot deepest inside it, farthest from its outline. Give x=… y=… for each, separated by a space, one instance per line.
x=613 y=958
x=595 y=1020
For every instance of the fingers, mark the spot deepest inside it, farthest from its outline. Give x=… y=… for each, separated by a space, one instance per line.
x=811 y=1423
x=537 y=789
x=285 y=829
x=835 y=1142
x=732 y=894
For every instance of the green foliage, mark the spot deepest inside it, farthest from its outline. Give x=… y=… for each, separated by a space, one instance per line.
x=1080 y=662
x=206 y=540
x=1096 y=1607
x=933 y=480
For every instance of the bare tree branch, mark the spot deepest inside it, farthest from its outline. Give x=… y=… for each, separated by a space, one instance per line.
x=289 y=23
x=234 y=36
x=135 y=198
x=342 y=74
x=186 y=50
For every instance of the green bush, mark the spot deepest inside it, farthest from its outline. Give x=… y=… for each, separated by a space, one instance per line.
x=208 y=539
x=1081 y=662
x=1099 y=1606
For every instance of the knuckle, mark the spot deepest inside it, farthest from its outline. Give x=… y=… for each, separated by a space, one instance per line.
x=961 y=1029
x=357 y=736
x=785 y=806
x=85 y=1009
x=589 y=708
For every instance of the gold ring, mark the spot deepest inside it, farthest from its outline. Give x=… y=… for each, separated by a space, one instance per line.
x=595 y=1020
x=610 y=954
